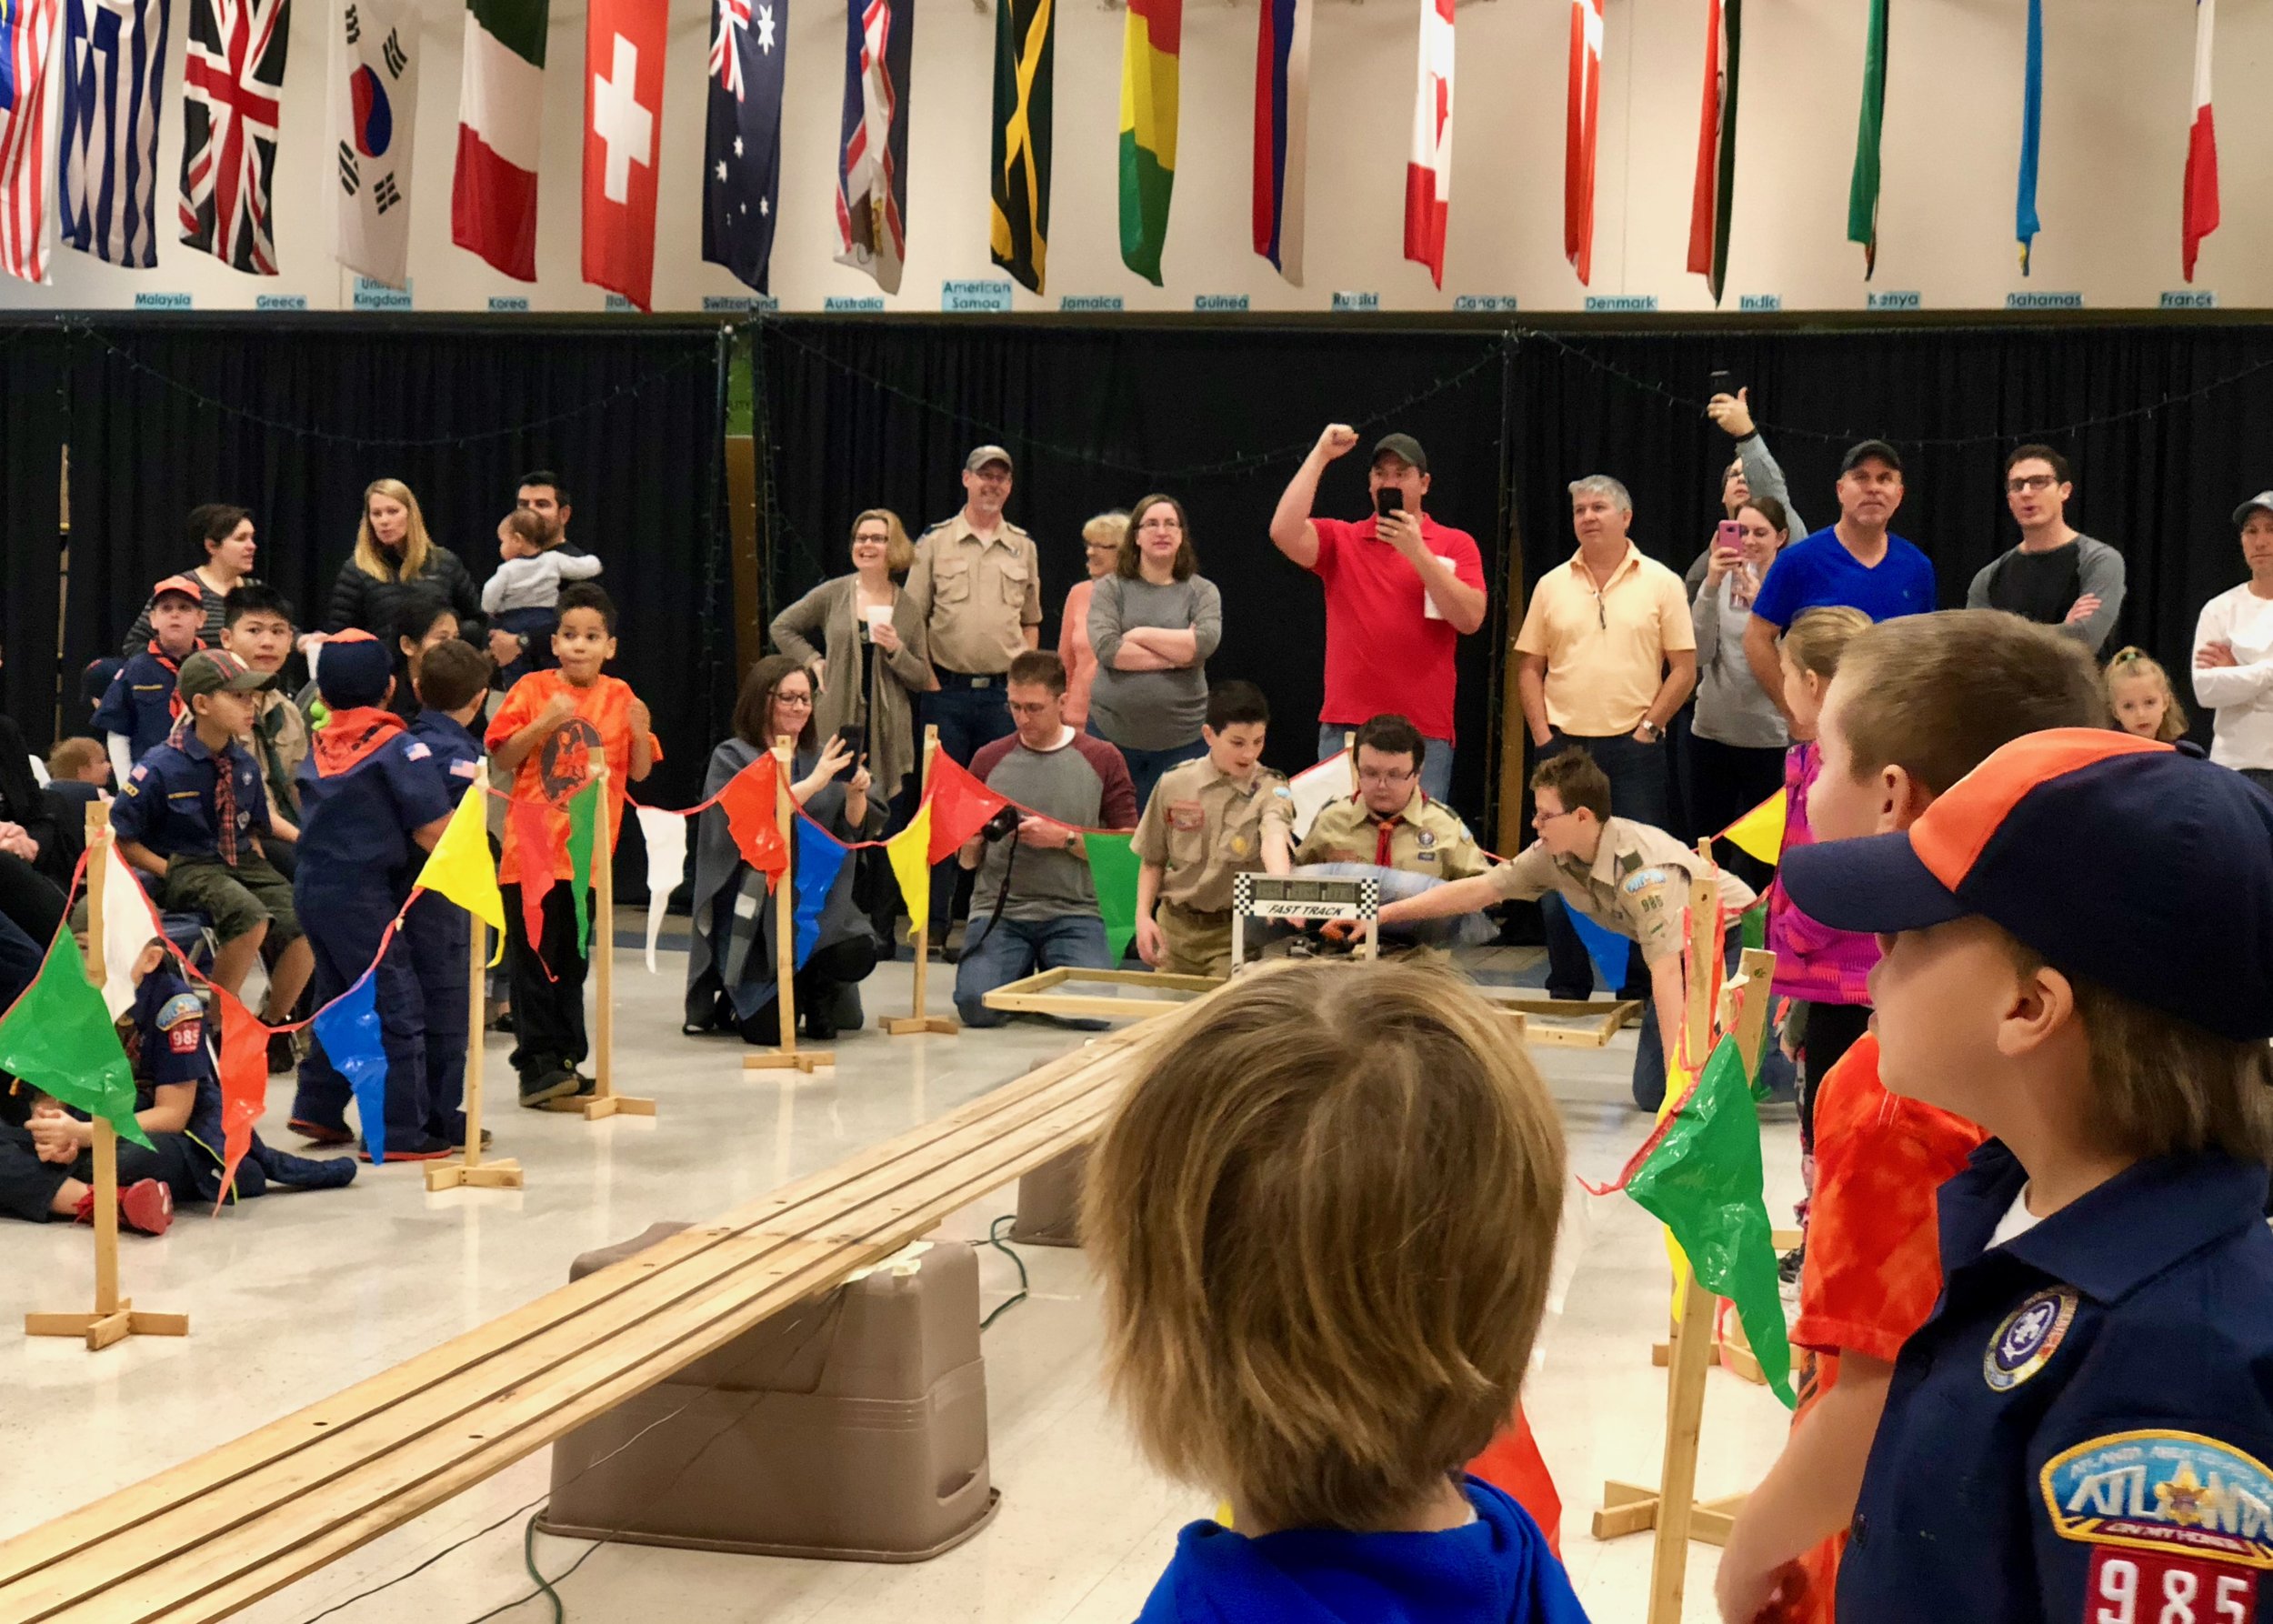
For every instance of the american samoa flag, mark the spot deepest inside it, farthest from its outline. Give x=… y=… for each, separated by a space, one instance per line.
x=27 y=29
x=233 y=85
x=113 y=60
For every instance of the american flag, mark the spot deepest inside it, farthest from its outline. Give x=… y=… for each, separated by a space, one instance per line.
x=113 y=59
x=27 y=27
x=232 y=86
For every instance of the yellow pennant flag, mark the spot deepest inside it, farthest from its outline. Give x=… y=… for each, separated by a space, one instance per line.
x=1759 y=833
x=459 y=867
x=909 y=853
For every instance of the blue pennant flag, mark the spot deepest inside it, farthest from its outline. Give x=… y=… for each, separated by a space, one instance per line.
x=749 y=42
x=820 y=859
x=348 y=1029
x=1605 y=946
x=2024 y=222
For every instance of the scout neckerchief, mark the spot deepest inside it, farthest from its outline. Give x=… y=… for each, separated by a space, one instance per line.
x=176 y=705
x=348 y=737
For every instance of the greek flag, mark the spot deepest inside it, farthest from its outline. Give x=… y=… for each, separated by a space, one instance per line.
x=113 y=59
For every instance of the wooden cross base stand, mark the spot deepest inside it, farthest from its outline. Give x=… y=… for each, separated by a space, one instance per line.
x=1629 y=1508
x=599 y=1107
x=488 y=1175
x=102 y=1330
x=806 y=1060
x=905 y=1025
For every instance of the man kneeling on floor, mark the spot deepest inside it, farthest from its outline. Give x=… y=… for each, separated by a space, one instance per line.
x=1035 y=907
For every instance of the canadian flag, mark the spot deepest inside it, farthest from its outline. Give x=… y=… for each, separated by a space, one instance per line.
x=622 y=109
x=2201 y=194
x=1429 y=176
x=1582 y=112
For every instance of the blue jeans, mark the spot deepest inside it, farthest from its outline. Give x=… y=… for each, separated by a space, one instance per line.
x=1436 y=773
x=968 y=718
x=1776 y=1070
x=1640 y=788
x=1011 y=949
x=1146 y=766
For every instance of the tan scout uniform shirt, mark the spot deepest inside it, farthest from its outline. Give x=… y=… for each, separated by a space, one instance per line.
x=969 y=599
x=1638 y=884
x=1427 y=838
x=1203 y=829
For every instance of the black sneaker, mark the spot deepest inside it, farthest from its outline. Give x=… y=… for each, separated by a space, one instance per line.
x=422 y=1149
x=1788 y=1267
x=540 y=1088
x=284 y=1055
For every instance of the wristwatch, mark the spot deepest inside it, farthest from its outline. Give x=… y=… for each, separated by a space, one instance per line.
x=1072 y=840
x=1649 y=731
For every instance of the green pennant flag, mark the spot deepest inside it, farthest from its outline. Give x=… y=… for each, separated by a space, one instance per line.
x=584 y=814
x=59 y=1039
x=1113 y=866
x=1703 y=1182
x=1862 y=194
x=1752 y=924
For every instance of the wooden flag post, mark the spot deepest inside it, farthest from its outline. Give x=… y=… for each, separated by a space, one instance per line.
x=902 y=1026
x=603 y=1101
x=470 y=1171
x=115 y=1317
x=788 y=1057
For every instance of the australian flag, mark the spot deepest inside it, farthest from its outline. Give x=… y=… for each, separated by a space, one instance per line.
x=742 y=154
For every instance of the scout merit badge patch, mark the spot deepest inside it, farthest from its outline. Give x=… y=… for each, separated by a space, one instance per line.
x=2027 y=1339
x=2181 y=1525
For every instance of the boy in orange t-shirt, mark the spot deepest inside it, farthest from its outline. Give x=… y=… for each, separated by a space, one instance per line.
x=1918 y=703
x=545 y=734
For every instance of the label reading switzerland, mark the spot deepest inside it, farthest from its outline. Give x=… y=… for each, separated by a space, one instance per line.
x=987 y=295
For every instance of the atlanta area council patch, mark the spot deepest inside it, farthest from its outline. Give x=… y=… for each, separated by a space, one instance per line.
x=2178 y=1494
x=2028 y=1337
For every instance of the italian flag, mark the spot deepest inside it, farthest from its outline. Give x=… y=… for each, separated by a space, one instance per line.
x=501 y=105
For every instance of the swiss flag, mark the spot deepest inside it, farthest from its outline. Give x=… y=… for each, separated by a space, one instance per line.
x=623 y=125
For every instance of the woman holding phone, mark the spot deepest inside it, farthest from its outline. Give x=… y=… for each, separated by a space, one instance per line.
x=1738 y=740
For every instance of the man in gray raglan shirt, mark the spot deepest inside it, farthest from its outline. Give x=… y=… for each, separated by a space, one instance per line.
x=2055 y=577
x=1063 y=781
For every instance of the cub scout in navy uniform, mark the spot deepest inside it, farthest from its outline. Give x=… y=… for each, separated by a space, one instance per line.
x=1390 y=822
x=2076 y=958
x=1208 y=821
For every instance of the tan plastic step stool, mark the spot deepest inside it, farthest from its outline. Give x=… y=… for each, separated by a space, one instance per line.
x=1050 y=1201
x=853 y=1426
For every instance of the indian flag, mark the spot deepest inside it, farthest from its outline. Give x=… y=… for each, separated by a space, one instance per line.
x=501 y=106
x=1148 y=90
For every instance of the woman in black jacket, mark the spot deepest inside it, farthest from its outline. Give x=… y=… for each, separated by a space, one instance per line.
x=395 y=557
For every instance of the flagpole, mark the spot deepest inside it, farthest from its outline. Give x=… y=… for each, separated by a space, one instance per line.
x=787 y=1056
x=471 y=1171
x=603 y=1101
x=114 y=1319
x=902 y=1026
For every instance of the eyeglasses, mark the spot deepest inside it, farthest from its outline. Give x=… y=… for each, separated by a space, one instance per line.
x=794 y=701
x=1377 y=779
x=1161 y=525
x=1540 y=815
x=2029 y=482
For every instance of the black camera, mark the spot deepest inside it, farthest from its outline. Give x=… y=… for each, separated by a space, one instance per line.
x=1002 y=825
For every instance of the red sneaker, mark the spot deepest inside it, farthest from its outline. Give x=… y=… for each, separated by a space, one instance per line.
x=146 y=1207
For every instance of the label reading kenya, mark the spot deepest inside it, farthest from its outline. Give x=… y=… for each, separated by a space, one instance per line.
x=2163 y=1491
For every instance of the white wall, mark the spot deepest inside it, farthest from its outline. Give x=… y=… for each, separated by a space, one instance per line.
x=2116 y=82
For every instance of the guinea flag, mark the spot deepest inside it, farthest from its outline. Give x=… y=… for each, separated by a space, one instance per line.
x=2201 y=182
x=501 y=117
x=1148 y=90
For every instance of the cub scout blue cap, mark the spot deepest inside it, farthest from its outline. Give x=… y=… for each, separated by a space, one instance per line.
x=352 y=670
x=2132 y=865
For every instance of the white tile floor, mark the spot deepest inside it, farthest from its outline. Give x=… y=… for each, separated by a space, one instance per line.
x=295 y=1297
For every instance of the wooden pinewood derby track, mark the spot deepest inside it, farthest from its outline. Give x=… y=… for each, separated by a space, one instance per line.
x=218 y=1532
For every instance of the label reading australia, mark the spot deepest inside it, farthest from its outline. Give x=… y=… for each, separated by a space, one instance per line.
x=2044 y=301
x=1622 y=301
x=840 y=303
x=379 y=296
x=507 y=303
x=161 y=301
x=1890 y=300
x=1483 y=301
x=987 y=295
x=1081 y=302
x=280 y=301
x=1220 y=301
x=2191 y=299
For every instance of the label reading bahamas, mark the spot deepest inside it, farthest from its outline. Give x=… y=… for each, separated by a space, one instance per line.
x=2173 y=1491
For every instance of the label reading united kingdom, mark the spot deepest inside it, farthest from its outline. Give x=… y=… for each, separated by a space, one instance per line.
x=379 y=296
x=2163 y=1491
x=986 y=295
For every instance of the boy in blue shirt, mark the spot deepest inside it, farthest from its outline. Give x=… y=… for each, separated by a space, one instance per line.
x=368 y=796
x=141 y=706
x=2076 y=958
x=1324 y=1320
x=453 y=685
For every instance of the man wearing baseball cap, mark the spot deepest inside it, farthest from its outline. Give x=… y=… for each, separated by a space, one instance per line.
x=1401 y=591
x=2078 y=957
x=974 y=597
x=140 y=706
x=2233 y=653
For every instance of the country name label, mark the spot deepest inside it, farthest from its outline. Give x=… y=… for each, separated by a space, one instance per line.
x=2191 y=299
x=280 y=301
x=161 y=301
x=379 y=296
x=1483 y=301
x=507 y=303
x=2044 y=301
x=1220 y=301
x=1762 y=303
x=720 y=304
x=1890 y=300
x=617 y=303
x=1090 y=301
x=1356 y=301
x=873 y=305
x=1622 y=301
x=986 y=295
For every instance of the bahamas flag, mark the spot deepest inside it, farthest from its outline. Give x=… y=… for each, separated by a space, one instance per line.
x=1148 y=90
x=1026 y=39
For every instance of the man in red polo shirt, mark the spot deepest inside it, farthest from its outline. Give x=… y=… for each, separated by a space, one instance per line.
x=1401 y=590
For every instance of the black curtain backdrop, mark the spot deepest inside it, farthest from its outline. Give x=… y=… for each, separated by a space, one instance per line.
x=32 y=433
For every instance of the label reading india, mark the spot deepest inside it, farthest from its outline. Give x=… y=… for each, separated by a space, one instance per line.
x=505 y=303
x=987 y=295
x=872 y=305
x=161 y=301
x=2044 y=301
x=1356 y=301
x=379 y=296
x=280 y=301
x=1220 y=301
x=1090 y=301
x=2189 y=299
x=1890 y=300
x=1622 y=301
x=1760 y=301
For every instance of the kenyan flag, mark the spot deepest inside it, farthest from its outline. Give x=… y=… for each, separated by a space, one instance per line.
x=501 y=105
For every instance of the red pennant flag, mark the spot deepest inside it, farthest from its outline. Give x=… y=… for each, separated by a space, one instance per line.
x=749 y=800
x=244 y=1080
x=1512 y=1463
x=623 y=112
x=960 y=806
x=540 y=833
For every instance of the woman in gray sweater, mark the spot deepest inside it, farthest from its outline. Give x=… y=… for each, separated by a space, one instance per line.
x=1737 y=741
x=1153 y=622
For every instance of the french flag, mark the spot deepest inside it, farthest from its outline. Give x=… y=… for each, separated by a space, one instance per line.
x=2201 y=191
x=1429 y=174
x=1282 y=132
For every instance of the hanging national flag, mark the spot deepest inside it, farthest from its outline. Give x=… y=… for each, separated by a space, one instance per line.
x=459 y=867
x=960 y=806
x=1018 y=187
x=872 y=148
x=1582 y=112
x=820 y=859
x=348 y=1029
x=232 y=92
x=1282 y=132
x=751 y=801
x=1759 y=833
x=665 y=833
x=2201 y=182
x=742 y=151
x=1862 y=192
x=1717 y=146
x=374 y=110
x=244 y=1075
x=58 y=1037
x=909 y=853
x=114 y=58
x=500 y=129
x=1112 y=867
x=623 y=99
x=1149 y=47
x=2024 y=222
x=1428 y=172
x=27 y=33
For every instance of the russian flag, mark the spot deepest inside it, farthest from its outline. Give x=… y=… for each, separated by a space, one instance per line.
x=1282 y=129
x=2201 y=190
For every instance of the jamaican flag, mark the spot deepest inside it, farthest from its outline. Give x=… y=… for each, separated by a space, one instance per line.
x=1025 y=38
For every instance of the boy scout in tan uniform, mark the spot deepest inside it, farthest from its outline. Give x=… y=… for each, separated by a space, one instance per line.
x=1638 y=885
x=1203 y=828
x=1426 y=837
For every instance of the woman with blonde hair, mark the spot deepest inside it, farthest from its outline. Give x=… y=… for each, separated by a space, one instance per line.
x=1101 y=540
x=394 y=558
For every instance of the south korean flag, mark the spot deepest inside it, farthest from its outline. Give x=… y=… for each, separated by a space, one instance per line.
x=374 y=109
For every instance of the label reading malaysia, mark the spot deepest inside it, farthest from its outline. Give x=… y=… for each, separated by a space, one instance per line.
x=2044 y=301
x=280 y=301
x=505 y=303
x=1483 y=301
x=1890 y=300
x=987 y=295
x=873 y=305
x=1356 y=301
x=1760 y=301
x=379 y=296
x=1622 y=301
x=1220 y=301
x=161 y=301
x=2189 y=299
x=1090 y=301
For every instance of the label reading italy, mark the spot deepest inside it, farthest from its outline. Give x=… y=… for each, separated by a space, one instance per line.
x=1356 y=301
x=507 y=303
x=379 y=296
x=161 y=301
x=617 y=303
x=1089 y=302
x=1760 y=301
x=988 y=295
x=2044 y=301
x=839 y=304
x=1483 y=301
x=1622 y=301
x=280 y=301
x=1220 y=301
x=2189 y=299
x=1890 y=300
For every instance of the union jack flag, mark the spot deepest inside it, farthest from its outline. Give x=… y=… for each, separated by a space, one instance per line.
x=28 y=28
x=725 y=53
x=233 y=85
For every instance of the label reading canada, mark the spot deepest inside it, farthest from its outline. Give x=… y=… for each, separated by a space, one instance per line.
x=2189 y=299
x=1622 y=301
x=986 y=297
x=871 y=306
x=1356 y=301
x=1890 y=300
x=1763 y=302
x=280 y=301
x=1483 y=301
x=379 y=296
x=1089 y=302
x=507 y=303
x=1220 y=301
x=2044 y=301
x=161 y=301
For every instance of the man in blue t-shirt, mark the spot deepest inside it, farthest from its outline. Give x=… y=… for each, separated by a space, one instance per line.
x=1856 y=564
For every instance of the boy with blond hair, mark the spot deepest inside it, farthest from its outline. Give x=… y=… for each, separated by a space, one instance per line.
x=1322 y=1320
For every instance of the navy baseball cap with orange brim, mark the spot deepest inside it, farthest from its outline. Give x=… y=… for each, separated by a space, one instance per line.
x=2125 y=862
